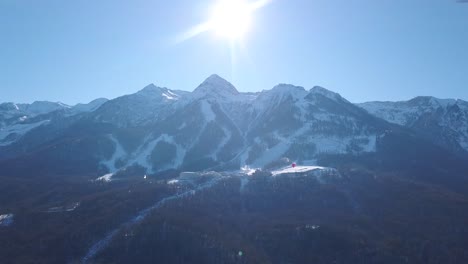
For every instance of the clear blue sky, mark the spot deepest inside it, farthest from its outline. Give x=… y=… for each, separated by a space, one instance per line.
x=75 y=51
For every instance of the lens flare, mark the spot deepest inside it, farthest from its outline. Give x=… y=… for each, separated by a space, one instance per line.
x=231 y=18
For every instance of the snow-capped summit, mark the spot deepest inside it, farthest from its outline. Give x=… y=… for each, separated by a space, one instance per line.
x=14 y=111
x=215 y=86
x=282 y=88
x=17 y=120
x=280 y=93
x=154 y=92
x=325 y=92
x=42 y=107
x=144 y=106
x=150 y=88
x=215 y=125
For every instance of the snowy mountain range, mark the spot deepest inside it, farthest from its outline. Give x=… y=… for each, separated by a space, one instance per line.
x=443 y=121
x=217 y=127
x=16 y=120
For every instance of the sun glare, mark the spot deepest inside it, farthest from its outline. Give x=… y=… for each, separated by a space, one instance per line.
x=231 y=18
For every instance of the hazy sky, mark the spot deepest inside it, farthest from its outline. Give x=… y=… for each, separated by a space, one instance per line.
x=75 y=51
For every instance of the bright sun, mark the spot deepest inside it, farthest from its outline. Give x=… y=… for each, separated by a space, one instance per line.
x=231 y=18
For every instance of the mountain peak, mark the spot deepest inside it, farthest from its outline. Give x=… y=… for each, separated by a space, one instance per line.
x=325 y=92
x=150 y=88
x=295 y=91
x=42 y=107
x=430 y=101
x=216 y=79
x=154 y=92
x=288 y=87
x=216 y=85
x=8 y=107
x=91 y=106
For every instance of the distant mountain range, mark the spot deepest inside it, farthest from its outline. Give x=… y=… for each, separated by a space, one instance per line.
x=217 y=127
x=442 y=121
x=18 y=119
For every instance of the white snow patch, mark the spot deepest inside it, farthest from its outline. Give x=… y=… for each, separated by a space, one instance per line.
x=313 y=227
x=173 y=181
x=143 y=153
x=169 y=96
x=248 y=171
x=118 y=154
x=227 y=136
x=6 y=219
x=106 y=177
x=322 y=174
x=171 y=93
x=297 y=169
x=207 y=111
x=279 y=149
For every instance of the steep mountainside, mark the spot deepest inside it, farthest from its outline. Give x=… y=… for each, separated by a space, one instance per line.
x=16 y=120
x=214 y=126
x=443 y=121
x=172 y=176
x=218 y=127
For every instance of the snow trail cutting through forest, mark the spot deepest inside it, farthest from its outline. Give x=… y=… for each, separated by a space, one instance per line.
x=101 y=244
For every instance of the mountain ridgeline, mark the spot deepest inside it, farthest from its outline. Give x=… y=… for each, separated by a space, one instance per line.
x=167 y=176
x=217 y=127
